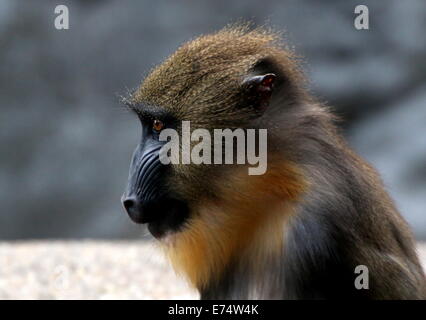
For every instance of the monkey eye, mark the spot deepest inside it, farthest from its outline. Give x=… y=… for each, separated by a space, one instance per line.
x=157 y=125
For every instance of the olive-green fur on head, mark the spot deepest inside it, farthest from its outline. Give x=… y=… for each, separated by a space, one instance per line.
x=202 y=80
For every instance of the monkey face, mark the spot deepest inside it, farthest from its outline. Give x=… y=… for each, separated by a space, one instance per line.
x=158 y=193
x=216 y=82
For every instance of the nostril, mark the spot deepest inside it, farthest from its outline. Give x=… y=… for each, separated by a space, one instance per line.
x=129 y=203
x=133 y=207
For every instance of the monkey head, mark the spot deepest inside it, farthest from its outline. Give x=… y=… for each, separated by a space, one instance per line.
x=231 y=79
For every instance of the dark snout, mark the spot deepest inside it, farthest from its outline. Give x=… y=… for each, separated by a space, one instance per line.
x=146 y=184
x=162 y=215
x=147 y=198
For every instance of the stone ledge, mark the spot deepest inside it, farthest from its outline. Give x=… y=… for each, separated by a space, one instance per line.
x=91 y=270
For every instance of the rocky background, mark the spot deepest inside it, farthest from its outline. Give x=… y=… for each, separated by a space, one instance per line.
x=65 y=143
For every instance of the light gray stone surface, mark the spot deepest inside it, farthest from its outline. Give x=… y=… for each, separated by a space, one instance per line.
x=91 y=270
x=88 y=270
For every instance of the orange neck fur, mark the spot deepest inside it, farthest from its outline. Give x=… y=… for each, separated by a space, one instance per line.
x=250 y=220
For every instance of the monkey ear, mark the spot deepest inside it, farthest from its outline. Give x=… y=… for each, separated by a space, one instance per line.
x=258 y=90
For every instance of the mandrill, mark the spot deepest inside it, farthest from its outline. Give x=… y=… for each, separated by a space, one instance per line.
x=297 y=231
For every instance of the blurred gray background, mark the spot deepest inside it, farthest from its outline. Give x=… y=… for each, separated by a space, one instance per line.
x=65 y=143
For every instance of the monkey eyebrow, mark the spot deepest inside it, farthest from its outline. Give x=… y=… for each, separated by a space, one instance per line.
x=144 y=110
x=150 y=112
x=129 y=105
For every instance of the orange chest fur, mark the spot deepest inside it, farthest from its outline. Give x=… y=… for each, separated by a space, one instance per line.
x=249 y=222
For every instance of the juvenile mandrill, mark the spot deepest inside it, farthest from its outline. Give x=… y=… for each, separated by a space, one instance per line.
x=299 y=230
